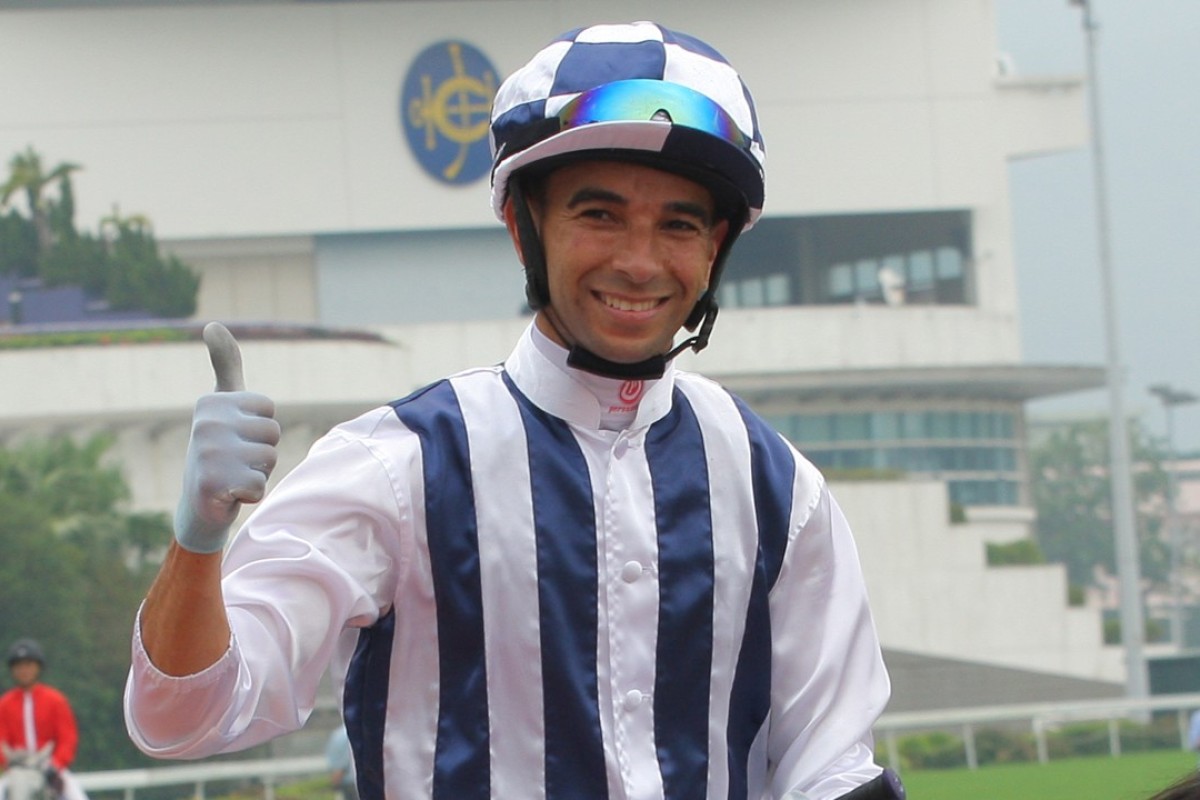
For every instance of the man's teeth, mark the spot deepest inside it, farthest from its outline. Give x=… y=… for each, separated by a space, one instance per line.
x=629 y=305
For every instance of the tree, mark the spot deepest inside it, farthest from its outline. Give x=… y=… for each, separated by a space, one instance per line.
x=75 y=565
x=27 y=176
x=121 y=265
x=1072 y=495
x=140 y=277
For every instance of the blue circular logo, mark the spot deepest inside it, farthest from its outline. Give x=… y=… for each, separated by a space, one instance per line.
x=445 y=108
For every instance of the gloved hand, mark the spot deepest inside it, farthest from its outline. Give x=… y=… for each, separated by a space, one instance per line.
x=231 y=452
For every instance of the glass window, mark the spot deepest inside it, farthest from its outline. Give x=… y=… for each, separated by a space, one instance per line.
x=1001 y=426
x=852 y=427
x=814 y=428
x=920 y=270
x=941 y=424
x=727 y=295
x=841 y=282
x=949 y=262
x=836 y=258
x=885 y=426
x=776 y=290
x=866 y=278
x=750 y=293
x=914 y=425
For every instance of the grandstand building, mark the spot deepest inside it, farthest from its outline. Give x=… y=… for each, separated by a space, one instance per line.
x=323 y=165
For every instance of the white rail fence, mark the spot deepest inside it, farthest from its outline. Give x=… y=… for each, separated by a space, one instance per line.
x=267 y=772
x=1041 y=718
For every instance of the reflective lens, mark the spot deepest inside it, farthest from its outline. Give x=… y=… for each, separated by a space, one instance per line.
x=641 y=100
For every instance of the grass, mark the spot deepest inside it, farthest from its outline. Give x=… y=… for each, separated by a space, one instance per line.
x=1136 y=776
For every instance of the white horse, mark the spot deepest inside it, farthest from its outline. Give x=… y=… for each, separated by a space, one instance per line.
x=25 y=778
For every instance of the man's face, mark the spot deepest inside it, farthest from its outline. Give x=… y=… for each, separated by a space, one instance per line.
x=628 y=251
x=25 y=672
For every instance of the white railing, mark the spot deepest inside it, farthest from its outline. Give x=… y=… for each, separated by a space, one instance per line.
x=1041 y=717
x=268 y=772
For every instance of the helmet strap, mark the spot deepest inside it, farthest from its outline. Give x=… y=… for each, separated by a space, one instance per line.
x=533 y=256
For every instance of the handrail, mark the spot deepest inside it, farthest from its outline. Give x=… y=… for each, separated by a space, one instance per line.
x=1041 y=717
x=1079 y=709
x=269 y=771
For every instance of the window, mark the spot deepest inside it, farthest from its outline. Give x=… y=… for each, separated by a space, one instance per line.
x=972 y=450
x=923 y=256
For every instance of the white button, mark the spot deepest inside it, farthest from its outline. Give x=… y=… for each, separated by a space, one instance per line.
x=633 y=699
x=631 y=571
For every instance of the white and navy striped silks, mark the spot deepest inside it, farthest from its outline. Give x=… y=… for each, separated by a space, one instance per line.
x=683 y=462
x=515 y=603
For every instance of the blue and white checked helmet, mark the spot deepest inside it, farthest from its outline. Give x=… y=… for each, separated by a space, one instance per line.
x=660 y=95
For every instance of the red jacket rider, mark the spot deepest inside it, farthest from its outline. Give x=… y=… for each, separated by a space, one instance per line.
x=53 y=720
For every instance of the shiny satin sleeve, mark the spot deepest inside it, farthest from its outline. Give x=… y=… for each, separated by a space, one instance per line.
x=307 y=568
x=829 y=682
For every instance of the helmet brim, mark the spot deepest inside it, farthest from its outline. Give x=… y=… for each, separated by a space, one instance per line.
x=674 y=148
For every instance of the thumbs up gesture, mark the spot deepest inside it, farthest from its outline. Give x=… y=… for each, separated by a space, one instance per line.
x=231 y=451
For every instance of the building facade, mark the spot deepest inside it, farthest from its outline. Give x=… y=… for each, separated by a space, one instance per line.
x=319 y=164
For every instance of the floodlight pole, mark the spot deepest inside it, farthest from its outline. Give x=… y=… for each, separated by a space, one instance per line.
x=1129 y=572
x=1171 y=397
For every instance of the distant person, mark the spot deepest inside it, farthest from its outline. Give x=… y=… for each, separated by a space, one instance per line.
x=341 y=764
x=1194 y=732
x=33 y=715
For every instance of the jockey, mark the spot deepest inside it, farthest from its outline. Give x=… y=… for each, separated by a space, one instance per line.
x=33 y=715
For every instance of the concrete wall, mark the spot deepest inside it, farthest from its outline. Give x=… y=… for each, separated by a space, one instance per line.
x=933 y=593
x=240 y=122
x=257 y=137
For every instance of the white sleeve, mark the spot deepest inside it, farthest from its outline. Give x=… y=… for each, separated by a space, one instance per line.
x=829 y=683
x=321 y=556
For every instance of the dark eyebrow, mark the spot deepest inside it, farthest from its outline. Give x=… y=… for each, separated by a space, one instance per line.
x=692 y=210
x=591 y=194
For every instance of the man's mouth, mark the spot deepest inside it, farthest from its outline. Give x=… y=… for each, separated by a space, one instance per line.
x=626 y=304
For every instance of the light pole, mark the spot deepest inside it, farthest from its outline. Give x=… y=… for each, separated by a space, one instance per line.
x=1171 y=397
x=1129 y=571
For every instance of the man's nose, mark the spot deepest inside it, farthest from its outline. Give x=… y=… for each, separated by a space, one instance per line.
x=640 y=255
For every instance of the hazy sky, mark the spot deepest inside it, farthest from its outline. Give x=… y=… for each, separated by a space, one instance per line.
x=1148 y=52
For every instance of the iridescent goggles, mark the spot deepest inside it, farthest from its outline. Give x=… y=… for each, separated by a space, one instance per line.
x=644 y=100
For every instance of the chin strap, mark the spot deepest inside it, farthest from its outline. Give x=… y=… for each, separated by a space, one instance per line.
x=650 y=369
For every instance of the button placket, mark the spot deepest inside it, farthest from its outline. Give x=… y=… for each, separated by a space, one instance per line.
x=630 y=550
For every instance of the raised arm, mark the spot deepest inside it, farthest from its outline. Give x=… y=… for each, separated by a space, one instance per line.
x=230 y=455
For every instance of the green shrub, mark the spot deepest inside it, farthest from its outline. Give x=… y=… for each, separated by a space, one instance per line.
x=996 y=746
x=1005 y=744
x=1022 y=551
x=932 y=751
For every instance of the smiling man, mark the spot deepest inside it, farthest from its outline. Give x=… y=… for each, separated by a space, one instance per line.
x=583 y=573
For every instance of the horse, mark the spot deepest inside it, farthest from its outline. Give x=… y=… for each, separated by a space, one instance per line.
x=25 y=778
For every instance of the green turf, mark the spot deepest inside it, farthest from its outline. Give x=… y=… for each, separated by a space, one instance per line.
x=1134 y=776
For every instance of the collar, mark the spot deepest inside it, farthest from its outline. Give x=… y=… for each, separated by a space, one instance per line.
x=539 y=369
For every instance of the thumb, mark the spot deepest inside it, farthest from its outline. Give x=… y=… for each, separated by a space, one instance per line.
x=225 y=356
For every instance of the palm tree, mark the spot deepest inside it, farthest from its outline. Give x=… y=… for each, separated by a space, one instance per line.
x=26 y=174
